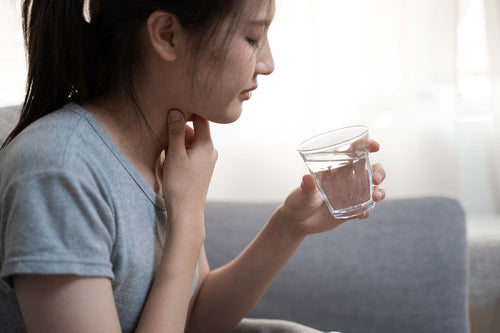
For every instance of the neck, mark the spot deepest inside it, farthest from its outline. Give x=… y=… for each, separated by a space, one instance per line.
x=140 y=137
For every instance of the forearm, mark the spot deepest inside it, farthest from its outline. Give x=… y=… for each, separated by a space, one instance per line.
x=230 y=292
x=167 y=305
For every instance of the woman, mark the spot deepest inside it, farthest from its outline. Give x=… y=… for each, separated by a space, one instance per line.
x=102 y=156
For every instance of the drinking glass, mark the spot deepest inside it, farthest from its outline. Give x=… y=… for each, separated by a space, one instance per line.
x=340 y=164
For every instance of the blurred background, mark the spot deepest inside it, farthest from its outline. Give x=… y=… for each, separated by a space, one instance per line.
x=424 y=75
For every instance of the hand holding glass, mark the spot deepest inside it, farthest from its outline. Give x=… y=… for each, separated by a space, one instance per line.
x=340 y=164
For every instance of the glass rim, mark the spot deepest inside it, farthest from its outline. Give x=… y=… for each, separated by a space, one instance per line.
x=302 y=150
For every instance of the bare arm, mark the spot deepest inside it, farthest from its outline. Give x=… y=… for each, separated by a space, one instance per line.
x=187 y=171
x=230 y=292
x=66 y=303
x=70 y=303
x=167 y=306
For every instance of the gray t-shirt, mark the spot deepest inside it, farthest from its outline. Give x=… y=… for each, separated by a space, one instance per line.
x=71 y=203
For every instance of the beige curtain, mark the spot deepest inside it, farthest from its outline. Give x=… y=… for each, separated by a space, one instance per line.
x=492 y=18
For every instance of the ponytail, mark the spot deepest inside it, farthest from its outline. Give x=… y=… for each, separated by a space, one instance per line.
x=61 y=63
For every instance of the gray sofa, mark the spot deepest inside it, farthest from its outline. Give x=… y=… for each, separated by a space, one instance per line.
x=402 y=270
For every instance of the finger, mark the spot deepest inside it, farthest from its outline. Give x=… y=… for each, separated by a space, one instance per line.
x=189 y=136
x=308 y=185
x=201 y=129
x=373 y=146
x=378 y=174
x=358 y=145
x=364 y=215
x=378 y=194
x=307 y=194
x=176 y=131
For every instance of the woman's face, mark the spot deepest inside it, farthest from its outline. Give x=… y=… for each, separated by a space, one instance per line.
x=221 y=88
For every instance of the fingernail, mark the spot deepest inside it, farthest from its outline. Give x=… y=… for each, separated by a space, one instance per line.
x=377 y=178
x=174 y=116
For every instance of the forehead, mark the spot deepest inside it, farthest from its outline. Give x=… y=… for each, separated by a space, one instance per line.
x=259 y=12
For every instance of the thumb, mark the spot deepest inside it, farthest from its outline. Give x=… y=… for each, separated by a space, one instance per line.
x=308 y=185
x=176 y=130
x=304 y=200
x=308 y=192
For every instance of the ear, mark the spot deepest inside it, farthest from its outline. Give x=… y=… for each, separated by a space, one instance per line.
x=165 y=34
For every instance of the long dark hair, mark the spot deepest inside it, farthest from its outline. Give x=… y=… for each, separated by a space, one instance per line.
x=78 y=50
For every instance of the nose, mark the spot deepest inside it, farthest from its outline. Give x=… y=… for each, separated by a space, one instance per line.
x=265 y=61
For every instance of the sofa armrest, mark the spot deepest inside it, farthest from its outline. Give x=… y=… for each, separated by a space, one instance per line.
x=483 y=238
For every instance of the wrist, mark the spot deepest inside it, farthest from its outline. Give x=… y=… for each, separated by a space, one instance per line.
x=187 y=224
x=287 y=226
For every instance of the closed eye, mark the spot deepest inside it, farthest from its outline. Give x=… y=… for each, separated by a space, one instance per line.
x=252 y=42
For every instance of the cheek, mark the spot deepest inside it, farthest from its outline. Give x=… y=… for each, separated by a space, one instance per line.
x=232 y=81
x=240 y=62
x=238 y=77
x=217 y=92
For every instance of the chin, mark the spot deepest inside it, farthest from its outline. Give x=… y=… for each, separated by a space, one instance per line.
x=232 y=114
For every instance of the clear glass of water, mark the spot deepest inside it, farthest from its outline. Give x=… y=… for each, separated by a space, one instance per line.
x=340 y=164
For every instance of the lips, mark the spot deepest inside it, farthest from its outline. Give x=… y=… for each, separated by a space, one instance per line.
x=246 y=94
x=250 y=89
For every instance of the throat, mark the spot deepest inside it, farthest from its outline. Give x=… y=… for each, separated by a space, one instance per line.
x=136 y=143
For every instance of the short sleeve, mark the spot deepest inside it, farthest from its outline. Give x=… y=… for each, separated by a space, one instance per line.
x=55 y=222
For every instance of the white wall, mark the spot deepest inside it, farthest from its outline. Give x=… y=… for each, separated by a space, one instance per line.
x=12 y=61
x=388 y=64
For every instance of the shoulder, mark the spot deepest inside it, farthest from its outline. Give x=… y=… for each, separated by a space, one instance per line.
x=62 y=140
